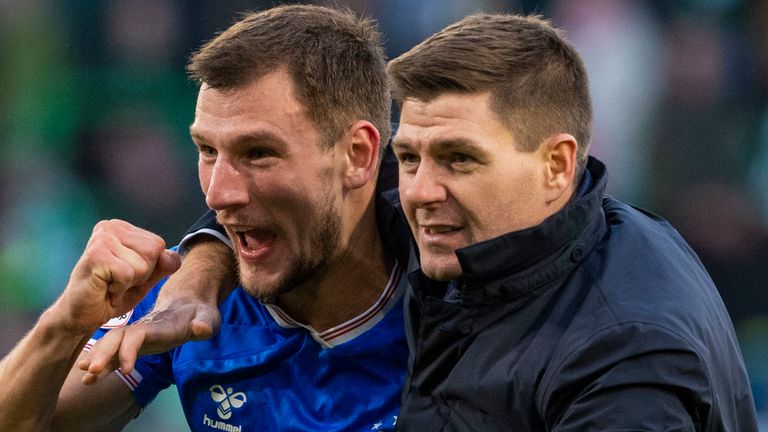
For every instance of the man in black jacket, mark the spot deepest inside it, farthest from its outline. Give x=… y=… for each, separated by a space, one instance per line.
x=541 y=303
x=546 y=305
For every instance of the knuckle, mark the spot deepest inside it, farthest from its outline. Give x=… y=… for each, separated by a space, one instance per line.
x=126 y=278
x=141 y=269
x=158 y=242
x=101 y=225
x=93 y=257
x=102 y=235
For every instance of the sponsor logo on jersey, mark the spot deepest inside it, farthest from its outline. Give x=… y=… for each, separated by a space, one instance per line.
x=118 y=321
x=220 y=425
x=226 y=401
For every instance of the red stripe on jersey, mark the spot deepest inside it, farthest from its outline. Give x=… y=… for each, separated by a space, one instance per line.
x=389 y=291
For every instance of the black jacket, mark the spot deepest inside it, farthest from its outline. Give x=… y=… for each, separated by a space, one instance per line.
x=601 y=318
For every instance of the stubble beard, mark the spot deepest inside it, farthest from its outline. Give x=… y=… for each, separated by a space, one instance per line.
x=311 y=262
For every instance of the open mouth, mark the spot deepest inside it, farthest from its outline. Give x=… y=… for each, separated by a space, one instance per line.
x=440 y=229
x=255 y=242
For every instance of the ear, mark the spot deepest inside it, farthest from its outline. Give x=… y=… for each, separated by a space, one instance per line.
x=560 y=154
x=362 y=154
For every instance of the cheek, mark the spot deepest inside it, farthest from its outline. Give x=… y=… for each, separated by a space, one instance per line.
x=495 y=206
x=513 y=210
x=204 y=174
x=404 y=202
x=293 y=198
x=482 y=216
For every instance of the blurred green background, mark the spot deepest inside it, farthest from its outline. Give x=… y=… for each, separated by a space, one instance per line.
x=95 y=105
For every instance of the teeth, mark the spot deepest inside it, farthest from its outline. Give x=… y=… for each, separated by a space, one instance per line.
x=440 y=229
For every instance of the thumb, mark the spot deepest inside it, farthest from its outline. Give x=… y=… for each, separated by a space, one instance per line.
x=205 y=323
x=167 y=263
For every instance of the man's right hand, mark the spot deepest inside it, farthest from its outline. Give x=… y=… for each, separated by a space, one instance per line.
x=118 y=267
x=186 y=310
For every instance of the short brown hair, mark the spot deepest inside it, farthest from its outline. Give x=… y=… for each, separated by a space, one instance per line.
x=334 y=57
x=538 y=81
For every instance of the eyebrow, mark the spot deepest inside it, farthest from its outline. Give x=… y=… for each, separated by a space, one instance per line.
x=441 y=145
x=250 y=137
x=457 y=144
x=399 y=143
x=195 y=136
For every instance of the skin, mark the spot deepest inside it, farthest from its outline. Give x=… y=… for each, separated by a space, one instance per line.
x=270 y=190
x=185 y=310
x=289 y=205
x=463 y=179
x=300 y=216
x=271 y=183
x=454 y=151
x=119 y=265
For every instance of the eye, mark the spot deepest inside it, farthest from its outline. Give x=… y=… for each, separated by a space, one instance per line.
x=462 y=161
x=206 y=152
x=407 y=157
x=408 y=161
x=461 y=158
x=256 y=153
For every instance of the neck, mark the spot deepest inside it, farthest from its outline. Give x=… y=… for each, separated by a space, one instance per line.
x=353 y=282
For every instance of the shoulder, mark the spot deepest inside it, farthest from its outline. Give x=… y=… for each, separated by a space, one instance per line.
x=656 y=371
x=629 y=222
x=644 y=266
x=629 y=354
x=644 y=288
x=644 y=272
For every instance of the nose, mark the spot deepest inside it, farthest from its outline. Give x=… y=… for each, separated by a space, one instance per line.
x=424 y=188
x=226 y=186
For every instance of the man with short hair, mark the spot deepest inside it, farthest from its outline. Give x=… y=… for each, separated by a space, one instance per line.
x=291 y=119
x=541 y=303
x=545 y=305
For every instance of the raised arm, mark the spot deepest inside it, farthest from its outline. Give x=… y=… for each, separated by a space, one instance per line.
x=186 y=308
x=119 y=265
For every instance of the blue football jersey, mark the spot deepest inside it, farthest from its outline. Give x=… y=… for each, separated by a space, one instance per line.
x=264 y=371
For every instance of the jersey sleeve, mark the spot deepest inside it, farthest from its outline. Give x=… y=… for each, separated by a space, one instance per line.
x=152 y=373
x=205 y=226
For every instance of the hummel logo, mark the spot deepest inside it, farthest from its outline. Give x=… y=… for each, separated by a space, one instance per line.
x=227 y=400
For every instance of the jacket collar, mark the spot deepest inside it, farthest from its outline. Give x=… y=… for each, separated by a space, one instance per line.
x=511 y=265
x=516 y=263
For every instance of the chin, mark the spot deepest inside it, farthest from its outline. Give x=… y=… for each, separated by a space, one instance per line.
x=265 y=294
x=441 y=269
x=259 y=286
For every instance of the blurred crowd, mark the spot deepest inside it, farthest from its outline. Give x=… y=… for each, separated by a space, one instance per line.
x=95 y=106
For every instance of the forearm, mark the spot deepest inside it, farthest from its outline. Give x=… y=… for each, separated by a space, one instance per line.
x=34 y=372
x=207 y=274
x=186 y=309
x=119 y=265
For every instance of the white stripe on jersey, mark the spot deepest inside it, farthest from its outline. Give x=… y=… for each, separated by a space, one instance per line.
x=358 y=325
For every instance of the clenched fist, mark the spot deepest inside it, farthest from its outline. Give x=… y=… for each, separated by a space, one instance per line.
x=118 y=267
